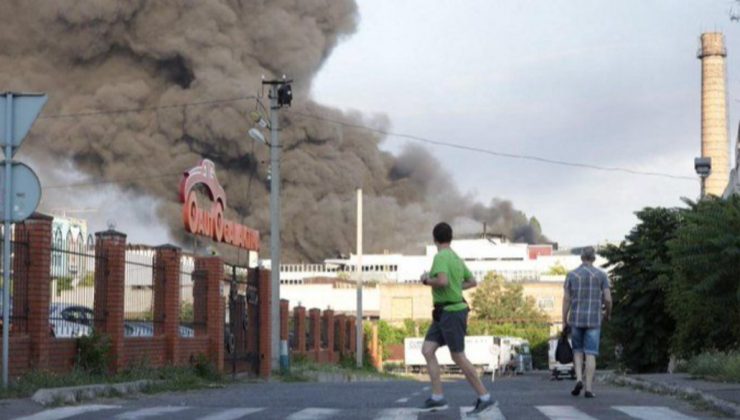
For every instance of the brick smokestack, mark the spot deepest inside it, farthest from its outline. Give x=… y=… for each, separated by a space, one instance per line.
x=714 y=131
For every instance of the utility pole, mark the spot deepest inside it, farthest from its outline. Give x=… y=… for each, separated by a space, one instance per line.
x=358 y=324
x=280 y=94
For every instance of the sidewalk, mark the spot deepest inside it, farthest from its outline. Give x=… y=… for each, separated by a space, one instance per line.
x=722 y=396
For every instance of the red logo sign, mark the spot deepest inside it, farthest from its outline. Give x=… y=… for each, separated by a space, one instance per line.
x=211 y=222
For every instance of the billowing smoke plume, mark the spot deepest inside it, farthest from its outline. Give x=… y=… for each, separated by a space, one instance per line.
x=99 y=55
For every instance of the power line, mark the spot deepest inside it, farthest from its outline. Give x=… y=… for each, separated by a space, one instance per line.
x=489 y=151
x=147 y=109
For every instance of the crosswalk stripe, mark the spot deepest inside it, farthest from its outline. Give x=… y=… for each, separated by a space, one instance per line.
x=149 y=412
x=652 y=413
x=232 y=414
x=66 y=412
x=398 y=414
x=563 y=412
x=493 y=413
x=312 y=413
x=402 y=401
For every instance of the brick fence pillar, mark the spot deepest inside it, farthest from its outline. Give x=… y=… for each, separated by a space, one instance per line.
x=265 y=327
x=329 y=325
x=211 y=271
x=351 y=327
x=341 y=333
x=110 y=278
x=299 y=326
x=284 y=309
x=167 y=298
x=37 y=288
x=20 y=248
x=314 y=319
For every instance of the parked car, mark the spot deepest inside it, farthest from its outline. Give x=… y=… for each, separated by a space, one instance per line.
x=146 y=329
x=69 y=321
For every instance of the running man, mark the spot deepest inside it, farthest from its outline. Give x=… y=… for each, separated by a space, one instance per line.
x=448 y=278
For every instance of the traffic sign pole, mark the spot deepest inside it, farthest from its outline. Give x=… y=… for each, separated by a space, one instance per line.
x=6 y=233
x=20 y=110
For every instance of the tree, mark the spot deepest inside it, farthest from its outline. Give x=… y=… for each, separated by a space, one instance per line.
x=641 y=276
x=557 y=269
x=705 y=295
x=498 y=302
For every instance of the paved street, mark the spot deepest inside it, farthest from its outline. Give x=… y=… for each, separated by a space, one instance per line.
x=528 y=397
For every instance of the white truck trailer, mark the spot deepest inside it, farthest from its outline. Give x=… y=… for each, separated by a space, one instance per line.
x=480 y=350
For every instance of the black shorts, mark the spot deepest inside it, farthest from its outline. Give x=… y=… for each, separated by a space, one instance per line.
x=450 y=330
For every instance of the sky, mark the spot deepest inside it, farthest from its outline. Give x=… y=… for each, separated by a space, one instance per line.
x=605 y=83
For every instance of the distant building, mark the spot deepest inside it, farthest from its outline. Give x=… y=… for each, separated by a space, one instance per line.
x=516 y=262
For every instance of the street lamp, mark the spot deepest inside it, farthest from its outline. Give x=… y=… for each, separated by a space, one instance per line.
x=703 y=167
x=280 y=94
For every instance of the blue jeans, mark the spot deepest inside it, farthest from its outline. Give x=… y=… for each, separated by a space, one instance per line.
x=585 y=340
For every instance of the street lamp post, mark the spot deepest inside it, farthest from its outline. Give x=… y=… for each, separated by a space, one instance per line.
x=280 y=95
x=703 y=167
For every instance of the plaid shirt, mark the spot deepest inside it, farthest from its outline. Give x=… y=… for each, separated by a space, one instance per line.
x=584 y=286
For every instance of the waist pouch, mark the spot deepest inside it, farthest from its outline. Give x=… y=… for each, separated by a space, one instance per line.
x=440 y=307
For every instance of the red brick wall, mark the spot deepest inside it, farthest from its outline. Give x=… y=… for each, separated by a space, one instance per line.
x=35 y=349
x=190 y=348
x=62 y=354
x=149 y=351
x=18 y=355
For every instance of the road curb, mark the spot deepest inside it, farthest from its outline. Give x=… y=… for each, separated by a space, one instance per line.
x=718 y=404
x=339 y=377
x=75 y=394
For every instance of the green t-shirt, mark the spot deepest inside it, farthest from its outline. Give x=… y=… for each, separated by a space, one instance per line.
x=446 y=261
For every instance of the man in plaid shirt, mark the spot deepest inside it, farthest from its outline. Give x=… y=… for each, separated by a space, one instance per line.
x=586 y=290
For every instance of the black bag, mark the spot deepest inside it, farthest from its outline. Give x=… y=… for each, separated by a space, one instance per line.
x=563 y=352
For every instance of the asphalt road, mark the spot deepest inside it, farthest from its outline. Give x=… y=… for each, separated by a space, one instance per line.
x=532 y=396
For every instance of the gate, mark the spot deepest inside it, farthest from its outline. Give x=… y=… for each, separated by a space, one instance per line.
x=241 y=329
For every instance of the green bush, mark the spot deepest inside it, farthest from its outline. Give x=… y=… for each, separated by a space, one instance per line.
x=93 y=354
x=716 y=365
x=187 y=312
x=64 y=283
x=205 y=369
x=88 y=280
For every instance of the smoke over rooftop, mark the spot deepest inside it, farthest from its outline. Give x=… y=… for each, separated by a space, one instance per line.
x=100 y=55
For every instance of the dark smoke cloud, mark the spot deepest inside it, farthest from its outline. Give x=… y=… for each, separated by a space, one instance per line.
x=106 y=55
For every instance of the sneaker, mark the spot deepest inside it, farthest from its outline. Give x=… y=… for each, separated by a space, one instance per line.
x=589 y=394
x=577 y=390
x=481 y=406
x=434 y=405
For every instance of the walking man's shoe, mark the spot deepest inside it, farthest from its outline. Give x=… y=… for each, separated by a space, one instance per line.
x=434 y=405
x=481 y=406
x=577 y=390
x=589 y=394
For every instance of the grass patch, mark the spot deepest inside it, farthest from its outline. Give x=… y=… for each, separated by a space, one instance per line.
x=201 y=374
x=716 y=366
x=303 y=370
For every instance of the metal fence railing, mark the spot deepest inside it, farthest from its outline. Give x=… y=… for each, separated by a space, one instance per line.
x=72 y=278
x=187 y=298
x=138 y=312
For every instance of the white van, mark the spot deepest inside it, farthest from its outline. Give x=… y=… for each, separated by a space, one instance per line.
x=480 y=350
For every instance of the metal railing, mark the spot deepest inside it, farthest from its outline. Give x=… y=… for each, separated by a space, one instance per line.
x=138 y=297
x=72 y=297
